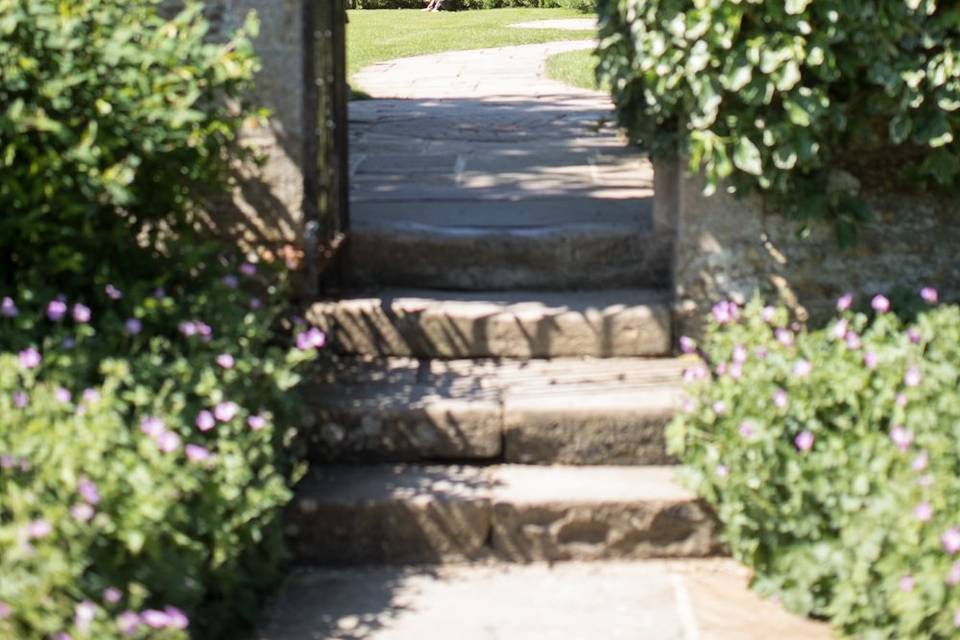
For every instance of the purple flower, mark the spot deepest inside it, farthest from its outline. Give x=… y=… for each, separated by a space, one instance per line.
x=133 y=326
x=923 y=511
x=159 y=293
x=30 y=358
x=802 y=368
x=736 y=370
x=901 y=437
x=225 y=360
x=761 y=353
x=845 y=302
x=769 y=313
x=694 y=373
x=719 y=407
x=784 y=337
x=152 y=426
x=204 y=331
x=225 y=411
x=901 y=400
x=907 y=583
x=248 y=269
x=780 y=398
x=913 y=335
x=255 y=303
x=7 y=462
x=929 y=294
x=62 y=395
x=722 y=471
x=82 y=512
x=176 y=619
x=256 y=422
x=953 y=576
x=62 y=635
x=804 y=441
x=870 y=360
x=39 y=529
x=920 y=462
x=956 y=618
x=188 y=328
x=912 y=377
x=853 y=341
x=168 y=442
x=951 y=540
x=84 y=614
x=112 y=292
x=839 y=330
x=56 y=310
x=313 y=338
x=196 y=453
x=230 y=281
x=128 y=622
x=739 y=354
x=20 y=399
x=112 y=595
x=8 y=308
x=205 y=421
x=747 y=429
x=81 y=313
x=88 y=491
x=726 y=312
x=155 y=619
x=91 y=396
x=880 y=304
x=688 y=345
x=5 y=610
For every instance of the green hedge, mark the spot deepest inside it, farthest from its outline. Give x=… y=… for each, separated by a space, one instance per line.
x=797 y=100
x=832 y=460
x=584 y=6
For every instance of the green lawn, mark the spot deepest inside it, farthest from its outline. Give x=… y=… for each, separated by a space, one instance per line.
x=376 y=35
x=576 y=68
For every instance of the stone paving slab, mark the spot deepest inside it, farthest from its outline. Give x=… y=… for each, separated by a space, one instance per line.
x=649 y=600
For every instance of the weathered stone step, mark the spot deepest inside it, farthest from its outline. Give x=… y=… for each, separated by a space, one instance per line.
x=564 y=411
x=511 y=324
x=627 y=600
x=485 y=258
x=413 y=514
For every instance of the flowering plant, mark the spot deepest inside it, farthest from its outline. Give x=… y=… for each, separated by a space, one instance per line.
x=831 y=457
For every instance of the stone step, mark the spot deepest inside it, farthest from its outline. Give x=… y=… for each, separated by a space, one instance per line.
x=627 y=600
x=576 y=411
x=480 y=258
x=511 y=324
x=432 y=514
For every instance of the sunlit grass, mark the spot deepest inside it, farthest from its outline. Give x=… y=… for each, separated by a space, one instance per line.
x=575 y=68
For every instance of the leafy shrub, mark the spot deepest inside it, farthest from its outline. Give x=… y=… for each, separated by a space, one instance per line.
x=144 y=458
x=584 y=6
x=789 y=99
x=114 y=125
x=832 y=459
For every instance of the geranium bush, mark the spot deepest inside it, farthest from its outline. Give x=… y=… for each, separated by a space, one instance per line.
x=832 y=459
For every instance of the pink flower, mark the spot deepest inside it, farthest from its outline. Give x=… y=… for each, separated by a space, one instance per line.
x=907 y=583
x=736 y=370
x=839 y=330
x=726 y=312
x=8 y=308
x=951 y=540
x=62 y=635
x=112 y=292
x=128 y=622
x=225 y=360
x=721 y=368
x=780 y=398
x=747 y=429
x=880 y=304
x=112 y=595
x=205 y=421
x=769 y=313
x=30 y=358
x=953 y=576
x=688 y=345
x=81 y=313
x=719 y=407
x=901 y=400
x=870 y=360
x=956 y=619
x=62 y=395
x=923 y=511
x=188 y=328
x=739 y=354
x=761 y=353
x=256 y=422
x=913 y=335
x=82 y=512
x=784 y=337
x=852 y=340
x=90 y=396
x=176 y=619
x=5 y=610
x=88 y=491
x=802 y=368
x=204 y=331
x=133 y=326
x=912 y=377
x=168 y=442
x=845 y=302
x=152 y=426
x=84 y=614
x=901 y=437
x=225 y=411
x=920 y=462
x=155 y=619
x=248 y=269
x=722 y=471
x=56 y=310
x=20 y=399
x=39 y=529
x=196 y=453
x=804 y=441
x=313 y=338
x=929 y=294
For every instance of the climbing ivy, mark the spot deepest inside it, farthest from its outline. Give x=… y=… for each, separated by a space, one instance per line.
x=800 y=101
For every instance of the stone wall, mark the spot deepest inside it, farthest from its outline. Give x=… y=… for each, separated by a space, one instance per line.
x=728 y=248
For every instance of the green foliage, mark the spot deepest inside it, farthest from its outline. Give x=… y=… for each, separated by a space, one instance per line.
x=831 y=457
x=583 y=6
x=114 y=125
x=789 y=98
x=187 y=512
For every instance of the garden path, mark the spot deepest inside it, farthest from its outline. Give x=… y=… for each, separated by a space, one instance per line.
x=503 y=380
